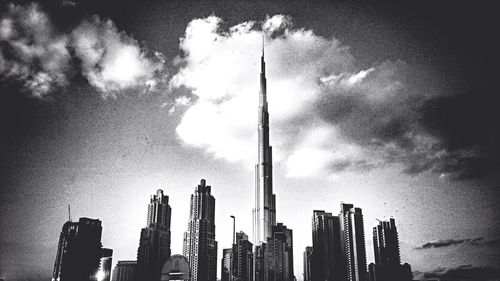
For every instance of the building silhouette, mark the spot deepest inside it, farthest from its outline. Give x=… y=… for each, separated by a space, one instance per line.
x=307 y=263
x=154 y=243
x=79 y=251
x=278 y=255
x=264 y=212
x=387 y=266
x=125 y=271
x=327 y=259
x=353 y=242
x=386 y=243
x=200 y=247
x=242 y=258
x=104 y=272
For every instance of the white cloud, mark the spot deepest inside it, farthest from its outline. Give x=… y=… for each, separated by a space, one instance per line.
x=111 y=61
x=181 y=101
x=323 y=150
x=41 y=57
x=221 y=67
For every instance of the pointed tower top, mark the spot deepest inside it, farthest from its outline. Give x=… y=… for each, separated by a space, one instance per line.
x=263 y=40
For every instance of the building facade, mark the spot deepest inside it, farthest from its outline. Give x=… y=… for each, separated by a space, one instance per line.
x=226 y=264
x=386 y=243
x=327 y=259
x=353 y=242
x=104 y=273
x=79 y=251
x=200 y=247
x=125 y=271
x=243 y=258
x=387 y=266
x=307 y=263
x=278 y=255
x=264 y=212
x=154 y=243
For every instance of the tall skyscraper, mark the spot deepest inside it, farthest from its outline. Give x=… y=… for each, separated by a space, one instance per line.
x=79 y=251
x=387 y=265
x=200 y=247
x=353 y=242
x=386 y=243
x=278 y=255
x=307 y=263
x=154 y=244
x=264 y=212
x=327 y=259
x=125 y=271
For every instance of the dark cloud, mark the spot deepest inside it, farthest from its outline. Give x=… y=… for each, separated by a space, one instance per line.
x=443 y=243
x=456 y=135
x=464 y=273
x=467 y=127
x=478 y=241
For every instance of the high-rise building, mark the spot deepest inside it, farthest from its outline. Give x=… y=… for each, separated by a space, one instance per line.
x=125 y=271
x=278 y=255
x=154 y=244
x=200 y=247
x=264 y=212
x=327 y=259
x=387 y=266
x=243 y=258
x=237 y=262
x=386 y=243
x=259 y=264
x=104 y=273
x=307 y=263
x=79 y=251
x=226 y=264
x=353 y=242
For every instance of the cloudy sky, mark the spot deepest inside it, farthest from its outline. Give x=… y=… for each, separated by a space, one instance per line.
x=392 y=108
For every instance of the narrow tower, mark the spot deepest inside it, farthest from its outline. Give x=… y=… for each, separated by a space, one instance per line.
x=200 y=247
x=353 y=242
x=264 y=213
x=154 y=244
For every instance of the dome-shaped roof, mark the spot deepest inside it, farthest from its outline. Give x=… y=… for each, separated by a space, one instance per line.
x=175 y=268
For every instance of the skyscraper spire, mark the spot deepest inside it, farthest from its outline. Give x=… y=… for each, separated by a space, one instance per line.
x=264 y=213
x=263 y=40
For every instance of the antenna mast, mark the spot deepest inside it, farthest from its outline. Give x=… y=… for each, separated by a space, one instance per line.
x=69 y=212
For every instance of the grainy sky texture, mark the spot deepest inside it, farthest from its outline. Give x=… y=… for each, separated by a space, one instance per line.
x=390 y=107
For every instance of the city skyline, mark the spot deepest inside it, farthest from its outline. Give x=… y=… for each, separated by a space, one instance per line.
x=382 y=106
